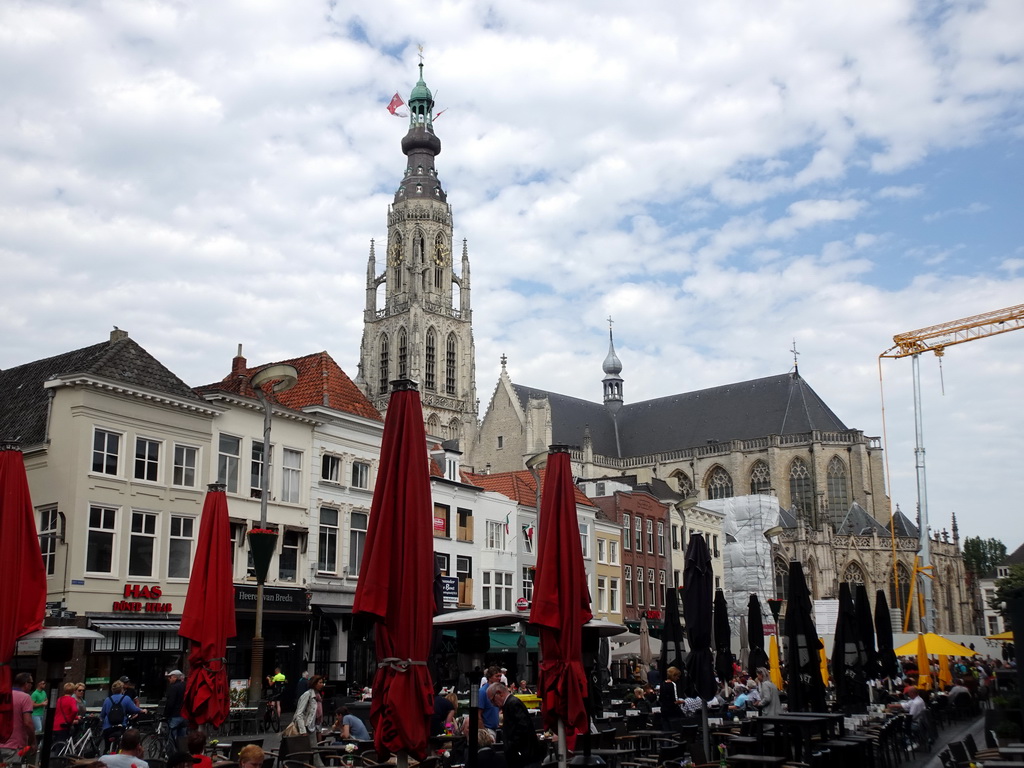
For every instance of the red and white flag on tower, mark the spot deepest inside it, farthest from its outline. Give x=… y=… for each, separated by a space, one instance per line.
x=396 y=103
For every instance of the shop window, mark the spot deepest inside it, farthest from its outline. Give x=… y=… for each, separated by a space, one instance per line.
x=151 y=641
x=142 y=549
x=179 y=551
x=172 y=641
x=105 y=643
x=105 y=448
x=127 y=641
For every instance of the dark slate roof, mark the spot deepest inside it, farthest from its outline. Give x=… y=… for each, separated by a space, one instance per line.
x=657 y=487
x=902 y=525
x=775 y=405
x=23 y=410
x=1016 y=557
x=787 y=518
x=859 y=523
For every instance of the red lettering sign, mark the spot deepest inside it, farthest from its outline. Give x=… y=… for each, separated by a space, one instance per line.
x=143 y=592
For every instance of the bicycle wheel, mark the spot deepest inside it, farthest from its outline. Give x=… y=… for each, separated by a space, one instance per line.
x=275 y=720
x=153 y=746
x=59 y=755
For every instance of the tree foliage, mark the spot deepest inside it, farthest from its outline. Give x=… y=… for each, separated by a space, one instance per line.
x=1007 y=588
x=983 y=555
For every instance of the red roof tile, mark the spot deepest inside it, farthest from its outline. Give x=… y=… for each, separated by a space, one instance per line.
x=321 y=382
x=520 y=486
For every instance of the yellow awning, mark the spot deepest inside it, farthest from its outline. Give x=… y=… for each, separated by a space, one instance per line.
x=1006 y=636
x=934 y=645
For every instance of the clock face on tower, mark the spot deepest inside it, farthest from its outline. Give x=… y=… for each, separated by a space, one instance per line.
x=441 y=254
x=395 y=253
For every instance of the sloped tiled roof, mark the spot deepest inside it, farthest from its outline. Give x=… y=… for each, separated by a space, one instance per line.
x=24 y=406
x=520 y=486
x=1016 y=557
x=902 y=525
x=774 y=405
x=859 y=523
x=320 y=382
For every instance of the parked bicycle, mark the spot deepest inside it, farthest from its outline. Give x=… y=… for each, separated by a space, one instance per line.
x=156 y=739
x=269 y=717
x=86 y=742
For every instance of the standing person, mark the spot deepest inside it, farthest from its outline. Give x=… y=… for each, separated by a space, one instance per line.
x=488 y=711
x=23 y=732
x=129 y=689
x=66 y=714
x=83 y=707
x=39 y=701
x=176 y=722
x=130 y=753
x=770 y=704
x=303 y=685
x=670 y=700
x=522 y=747
x=308 y=709
x=654 y=676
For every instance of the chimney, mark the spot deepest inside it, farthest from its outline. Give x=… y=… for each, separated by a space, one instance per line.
x=238 y=363
x=117 y=334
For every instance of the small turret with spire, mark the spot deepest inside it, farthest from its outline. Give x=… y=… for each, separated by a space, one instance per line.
x=612 y=381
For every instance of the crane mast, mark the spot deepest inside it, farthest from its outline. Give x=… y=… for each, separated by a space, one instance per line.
x=936 y=338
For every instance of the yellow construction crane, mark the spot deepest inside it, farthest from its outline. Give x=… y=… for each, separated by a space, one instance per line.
x=936 y=338
x=911 y=344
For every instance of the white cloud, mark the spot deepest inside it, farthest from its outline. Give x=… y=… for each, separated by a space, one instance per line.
x=715 y=176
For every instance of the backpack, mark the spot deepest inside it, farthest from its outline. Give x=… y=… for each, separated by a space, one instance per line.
x=116 y=714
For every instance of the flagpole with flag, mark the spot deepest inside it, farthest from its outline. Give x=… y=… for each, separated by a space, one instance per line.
x=395 y=104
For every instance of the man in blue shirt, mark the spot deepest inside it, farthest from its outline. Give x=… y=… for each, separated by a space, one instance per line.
x=489 y=712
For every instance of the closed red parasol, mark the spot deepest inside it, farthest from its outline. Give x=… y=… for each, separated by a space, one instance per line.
x=561 y=599
x=209 y=616
x=23 y=597
x=396 y=579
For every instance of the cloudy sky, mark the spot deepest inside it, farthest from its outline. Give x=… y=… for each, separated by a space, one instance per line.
x=720 y=178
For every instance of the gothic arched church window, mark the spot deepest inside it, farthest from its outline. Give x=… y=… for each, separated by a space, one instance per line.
x=430 y=360
x=384 y=364
x=684 y=482
x=760 y=478
x=719 y=484
x=838 y=488
x=854 y=574
x=781 y=579
x=403 y=354
x=450 y=362
x=800 y=494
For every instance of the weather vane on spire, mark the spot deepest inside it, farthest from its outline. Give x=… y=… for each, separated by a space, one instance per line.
x=796 y=368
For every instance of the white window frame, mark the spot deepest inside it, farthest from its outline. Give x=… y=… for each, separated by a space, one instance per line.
x=613 y=595
x=627 y=532
x=184 y=536
x=258 y=464
x=104 y=452
x=585 y=540
x=49 y=526
x=229 y=464
x=638 y=534
x=640 y=597
x=357 y=539
x=650 y=536
x=528 y=582
x=147 y=462
x=662 y=588
x=661 y=538
x=291 y=543
x=651 y=588
x=495 y=535
x=181 y=466
x=602 y=594
x=150 y=524
x=328 y=534
x=602 y=550
x=497 y=591
x=330 y=468
x=106 y=528
x=613 y=552
x=361 y=474
x=291 y=476
x=627 y=582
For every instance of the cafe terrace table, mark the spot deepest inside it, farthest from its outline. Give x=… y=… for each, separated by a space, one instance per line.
x=800 y=727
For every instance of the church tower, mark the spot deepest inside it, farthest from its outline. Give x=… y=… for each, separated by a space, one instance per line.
x=420 y=326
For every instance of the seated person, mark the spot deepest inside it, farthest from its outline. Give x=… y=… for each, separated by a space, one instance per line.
x=130 y=753
x=196 y=744
x=350 y=727
x=251 y=756
x=487 y=756
x=182 y=760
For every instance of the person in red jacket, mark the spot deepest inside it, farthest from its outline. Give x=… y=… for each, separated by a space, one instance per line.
x=67 y=713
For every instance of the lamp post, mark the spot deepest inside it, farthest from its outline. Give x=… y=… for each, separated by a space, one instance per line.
x=279 y=378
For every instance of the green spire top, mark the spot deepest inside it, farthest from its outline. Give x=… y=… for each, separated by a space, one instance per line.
x=421 y=92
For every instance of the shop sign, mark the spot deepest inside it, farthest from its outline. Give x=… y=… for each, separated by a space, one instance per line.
x=277 y=599
x=138 y=593
x=440 y=524
x=522 y=604
x=654 y=614
x=450 y=590
x=769 y=629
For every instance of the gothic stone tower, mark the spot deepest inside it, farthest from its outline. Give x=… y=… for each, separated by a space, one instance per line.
x=424 y=330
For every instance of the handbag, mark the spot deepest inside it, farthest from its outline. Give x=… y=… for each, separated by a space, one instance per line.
x=290 y=730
